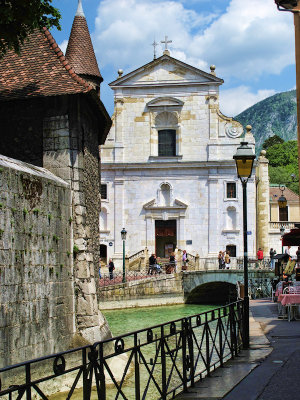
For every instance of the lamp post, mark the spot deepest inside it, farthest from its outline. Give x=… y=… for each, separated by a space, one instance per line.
x=294 y=7
x=282 y=233
x=123 y=236
x=244 y=159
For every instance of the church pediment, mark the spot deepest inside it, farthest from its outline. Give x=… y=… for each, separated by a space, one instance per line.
x=166 y=70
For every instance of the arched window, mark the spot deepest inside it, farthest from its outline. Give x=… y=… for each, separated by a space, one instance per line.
x=103 y=220
x=231 y=218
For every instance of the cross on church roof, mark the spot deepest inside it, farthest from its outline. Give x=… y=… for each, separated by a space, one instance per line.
x=154 y=44
x=166 y=41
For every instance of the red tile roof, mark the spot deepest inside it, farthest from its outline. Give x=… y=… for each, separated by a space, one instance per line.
x=80 y=51
x=275 y=193
x=40 y=70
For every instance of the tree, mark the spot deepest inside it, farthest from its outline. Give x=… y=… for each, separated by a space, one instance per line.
x=271 y=141
x=283 y=154
x=18 y=18
x=283 y=162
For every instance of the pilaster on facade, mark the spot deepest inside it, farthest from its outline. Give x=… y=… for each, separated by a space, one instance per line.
x=119 y=222
x=213 y=207
x=263 y=209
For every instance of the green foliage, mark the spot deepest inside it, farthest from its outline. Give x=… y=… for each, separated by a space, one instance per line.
x=25 y=212
x=19 y=18
x=75 y=250
x=271 y=141
x=283 y=154
x=283 y=162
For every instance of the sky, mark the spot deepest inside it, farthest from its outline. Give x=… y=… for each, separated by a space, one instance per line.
x=250 y=42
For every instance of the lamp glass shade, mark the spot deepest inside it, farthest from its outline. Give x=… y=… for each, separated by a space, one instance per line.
x=282 y=202
x=123 y=234
x=244 y=167
x=282 y=230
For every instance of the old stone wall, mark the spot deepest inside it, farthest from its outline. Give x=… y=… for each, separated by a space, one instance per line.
x=36 y=277
x=71 y=151
x=144 y=293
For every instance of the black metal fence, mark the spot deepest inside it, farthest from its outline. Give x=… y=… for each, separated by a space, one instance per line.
x=153 y=363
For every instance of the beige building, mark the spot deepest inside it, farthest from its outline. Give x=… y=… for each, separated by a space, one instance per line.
x=270 y=218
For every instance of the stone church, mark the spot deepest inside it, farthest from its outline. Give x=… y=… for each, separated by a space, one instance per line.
x=168 y=174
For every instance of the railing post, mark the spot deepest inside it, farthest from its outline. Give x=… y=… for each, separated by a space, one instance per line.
x=28 y=379
x=136 y=368
x=86 y=384
x=232 y=331
x=163 y=364
x=191 y=354
x=220 y=337
x=101 y=373
x=207 y=346
x=184 y=327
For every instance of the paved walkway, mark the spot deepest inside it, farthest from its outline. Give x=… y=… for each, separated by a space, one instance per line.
x=269 y=371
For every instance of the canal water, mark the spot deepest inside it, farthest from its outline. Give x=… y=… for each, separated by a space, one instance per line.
x=127 y=320
x=132 y=319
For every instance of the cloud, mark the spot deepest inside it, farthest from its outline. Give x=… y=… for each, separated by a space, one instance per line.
x=249 y=39
x=63 y=46
x=234 y=101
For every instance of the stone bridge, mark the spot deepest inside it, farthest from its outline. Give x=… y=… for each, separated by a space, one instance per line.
x=219 y=286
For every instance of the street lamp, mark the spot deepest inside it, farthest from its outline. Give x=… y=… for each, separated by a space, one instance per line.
x=294 y=7
x=123 y=236
x=282 y=201
x=244 y=159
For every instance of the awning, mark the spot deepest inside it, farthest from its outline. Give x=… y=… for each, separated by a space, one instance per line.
x=291 y=238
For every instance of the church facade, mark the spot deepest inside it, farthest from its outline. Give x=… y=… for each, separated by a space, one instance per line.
x=168 y=174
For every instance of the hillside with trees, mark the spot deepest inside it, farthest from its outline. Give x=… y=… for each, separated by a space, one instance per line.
x=276 y=115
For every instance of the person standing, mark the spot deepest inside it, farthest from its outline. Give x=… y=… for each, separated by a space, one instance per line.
x=260 y=257
x=152 y=262
x=111 y=268
x=220 y=259
x=227 y=260
x=288 y=251
x=172 y=261
x=272 y=259
x=184 y=260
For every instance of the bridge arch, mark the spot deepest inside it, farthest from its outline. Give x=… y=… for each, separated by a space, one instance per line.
x=212 y=293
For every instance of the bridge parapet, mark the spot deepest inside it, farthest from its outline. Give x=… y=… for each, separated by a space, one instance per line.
x=203 y=286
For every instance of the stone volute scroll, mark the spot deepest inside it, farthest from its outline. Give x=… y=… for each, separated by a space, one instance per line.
x=233 y=129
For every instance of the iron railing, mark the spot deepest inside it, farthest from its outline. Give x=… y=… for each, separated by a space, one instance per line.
x=153 y=363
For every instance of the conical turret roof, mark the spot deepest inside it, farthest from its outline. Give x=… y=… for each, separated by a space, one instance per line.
x=80 y=52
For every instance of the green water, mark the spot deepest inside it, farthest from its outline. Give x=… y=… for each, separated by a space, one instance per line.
x=128 y=320
x=133 y=319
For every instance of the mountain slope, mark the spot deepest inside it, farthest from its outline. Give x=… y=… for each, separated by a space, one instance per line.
x=275 y=115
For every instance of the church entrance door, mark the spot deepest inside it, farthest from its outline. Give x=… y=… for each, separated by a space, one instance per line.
x=165 y=237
